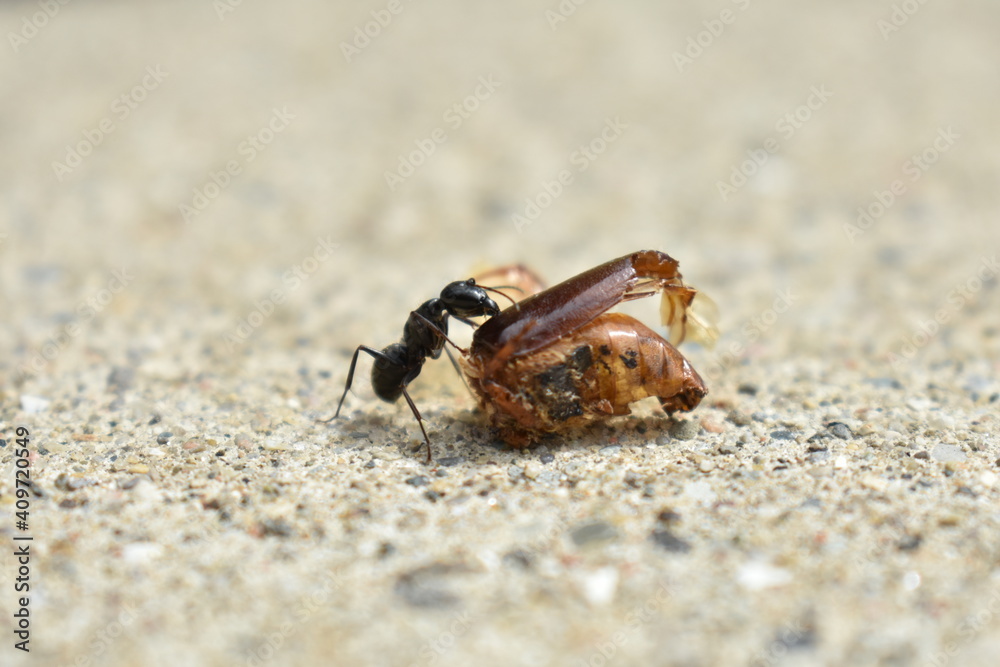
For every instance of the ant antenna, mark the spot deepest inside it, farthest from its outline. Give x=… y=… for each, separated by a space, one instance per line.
x=500 y=287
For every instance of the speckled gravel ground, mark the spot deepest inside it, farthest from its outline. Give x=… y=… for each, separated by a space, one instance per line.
x=197 y=228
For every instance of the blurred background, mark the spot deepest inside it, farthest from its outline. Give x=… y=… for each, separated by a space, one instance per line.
x=417 y=147
x=246 y=190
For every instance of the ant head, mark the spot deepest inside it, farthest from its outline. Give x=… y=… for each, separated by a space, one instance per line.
x=464 y=298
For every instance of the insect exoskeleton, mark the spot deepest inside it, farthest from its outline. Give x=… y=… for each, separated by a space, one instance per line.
x=558 y=360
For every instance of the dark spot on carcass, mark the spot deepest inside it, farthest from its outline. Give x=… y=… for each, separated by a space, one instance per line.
x=629 y=359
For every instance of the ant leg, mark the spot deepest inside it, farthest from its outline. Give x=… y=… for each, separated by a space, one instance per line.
x=458 y=369
x=464 y=320
x=420 y=421
x=443 y=334
x=350 y=377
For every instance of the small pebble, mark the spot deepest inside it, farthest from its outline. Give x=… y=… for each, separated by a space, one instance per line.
x=548 y=477
x=748 y=388
x=164 y=438
x=884 y=383
x=515 y=472
x=418 y=480
x=782 y=435
x=684 y=429
x=818 y=457
x=121 y=378
x=840 y=430
x=449 y=461
x=667 y=540
x=948 y=453
x=739 y=418
x=277 y=527
x=711 y=426
x=66 y=482
x=596 y=531
x=610 y=450
x=600 y=585
x=706 y=465
x=922 y=454
x=34 y=404
x=532 y=470
x=518 y=558
x=547 y=458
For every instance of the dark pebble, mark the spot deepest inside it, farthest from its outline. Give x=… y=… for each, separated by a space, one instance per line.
x=450 y=461
x=276 y=527
x=884 y=383
x=748 y=388
x=668 y=517
x=422 y=587
x=370 y=464
x=759 y=416
x=121 y=378
x=164 y=438
x=386 y=549
x=782 y=435
x=910 y=542
x=966 y=491
x=69 y=503
x=596 y=531
x=418 y=480
x=670 y=542
x=155 y=419
x=432 y=495
x=66 y=482
x=3 y=443
x=738 y=417
x=685 y=429
x=518 y=558
x=922 y=454
x=547 y=458
x=840 y=430
x=37 y=490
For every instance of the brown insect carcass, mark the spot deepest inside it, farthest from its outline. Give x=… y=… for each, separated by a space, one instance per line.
x=558 y=360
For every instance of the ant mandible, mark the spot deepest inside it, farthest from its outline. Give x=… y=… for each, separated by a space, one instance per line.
x=424 y=335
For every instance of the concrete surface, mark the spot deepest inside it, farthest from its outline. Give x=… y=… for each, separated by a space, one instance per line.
x=207 y=206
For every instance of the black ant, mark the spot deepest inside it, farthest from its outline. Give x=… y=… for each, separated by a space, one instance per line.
x=424 y=335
